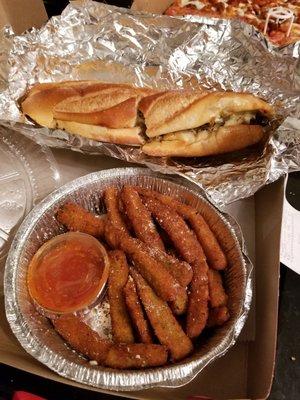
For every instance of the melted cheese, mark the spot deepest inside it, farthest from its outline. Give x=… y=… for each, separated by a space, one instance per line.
x=191 y=135
x=240 y=118
x=198 y=4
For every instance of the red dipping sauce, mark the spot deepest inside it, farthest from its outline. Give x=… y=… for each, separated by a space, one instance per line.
x=68 y=273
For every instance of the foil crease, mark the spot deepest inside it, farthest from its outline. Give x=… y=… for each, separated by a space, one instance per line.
x=96 y=41
x=38 y=337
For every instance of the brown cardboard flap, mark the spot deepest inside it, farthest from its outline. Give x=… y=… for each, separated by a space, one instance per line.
x=244 y=212
x=246 y=371
x=22 y=14
x=268 y=218
x=152 y=6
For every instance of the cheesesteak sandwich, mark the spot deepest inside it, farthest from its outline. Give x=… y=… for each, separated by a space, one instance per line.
x=193 y=124
x=101 y=111
x=181 y=123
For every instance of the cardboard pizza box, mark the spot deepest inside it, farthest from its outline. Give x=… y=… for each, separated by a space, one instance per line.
x=22 y=15
x=152 y=6
x=246 y=371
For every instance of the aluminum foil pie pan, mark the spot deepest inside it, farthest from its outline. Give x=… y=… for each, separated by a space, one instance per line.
x=36 y=334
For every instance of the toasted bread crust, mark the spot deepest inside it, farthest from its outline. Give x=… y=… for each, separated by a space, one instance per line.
x=224 y=140
x=182 y=110
x=128 y=136
x=108 y=112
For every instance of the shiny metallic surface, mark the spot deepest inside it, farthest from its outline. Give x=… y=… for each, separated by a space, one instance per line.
x=88 y=39
x=36 y=334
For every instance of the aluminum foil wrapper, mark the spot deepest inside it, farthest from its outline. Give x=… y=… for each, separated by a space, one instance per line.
x=96 y=41
x=37 y=336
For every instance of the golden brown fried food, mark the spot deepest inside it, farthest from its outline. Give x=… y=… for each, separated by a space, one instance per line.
x=218 y=316
x=217 y=293
x=165 y=325
x=190 y=249
x=111 y=199
x=215 y=255
x=112 y=235
x=76 y=218
x=180 y=234
x=181 y=270
x=118 y=276
x=136 y=355
x=82 y=338
x=124 y=355
x=140 y=218
x=136 y=312
x=179 y=305
x=156 y=274
x=197 y=311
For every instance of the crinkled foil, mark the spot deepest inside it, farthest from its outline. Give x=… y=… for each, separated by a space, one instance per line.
x=96 y=41
x=38 y=337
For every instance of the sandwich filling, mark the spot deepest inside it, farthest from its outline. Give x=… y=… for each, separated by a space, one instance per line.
x=193 y=135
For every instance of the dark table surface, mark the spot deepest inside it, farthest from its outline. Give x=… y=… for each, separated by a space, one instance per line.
x=286 y=385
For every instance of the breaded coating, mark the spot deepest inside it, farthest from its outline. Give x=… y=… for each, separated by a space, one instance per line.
x=218 y=316
x=112 y=235
x=181 y=270
x=82 y=338
x=118 y=276
x=120 y=355
x=76 y=218
x=140 y=218
x=197 y=312
x=156 y=274
x=183 y=239
x=111 y=199
x=136 y=355
x=179 y=305
x=217 y=295
x=215 y=256
x=165 y=325
x=190 y=249
x=136 y=312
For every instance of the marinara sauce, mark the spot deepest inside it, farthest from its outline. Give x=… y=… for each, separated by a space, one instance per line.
x=68 y=272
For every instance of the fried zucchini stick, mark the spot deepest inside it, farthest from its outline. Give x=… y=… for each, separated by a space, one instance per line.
x=197 y=312
x=140 y=218
x=118 y=276
x=122 y=356
x=181 y=270
x=212 y=249
x=111 y=200
x=136 y=355
x=76 y=218
x=156 y=274
x=217 y=316
x=136 y=312
x=217 y=293
x=165 y=325
x=190 y=249
x=82 y=338
x=183 y=239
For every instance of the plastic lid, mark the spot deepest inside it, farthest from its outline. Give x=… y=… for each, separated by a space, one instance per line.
x=28 y=172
